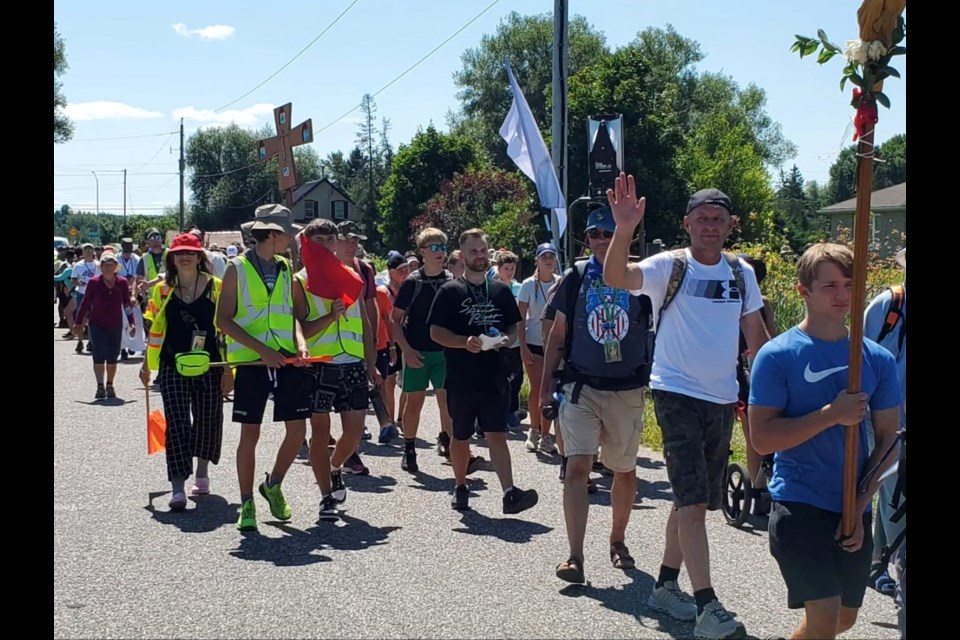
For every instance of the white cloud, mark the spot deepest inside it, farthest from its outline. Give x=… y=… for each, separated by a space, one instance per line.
x=245 y=117
x=213 y=32
x=104 y=110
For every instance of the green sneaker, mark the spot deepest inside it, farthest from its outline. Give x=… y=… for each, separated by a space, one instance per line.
x=278 y=504
x=248 y=516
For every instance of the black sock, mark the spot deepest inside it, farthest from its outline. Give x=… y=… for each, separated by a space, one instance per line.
x=410 y=445
x=667 y=574
x=245 y=496
x=704 y=597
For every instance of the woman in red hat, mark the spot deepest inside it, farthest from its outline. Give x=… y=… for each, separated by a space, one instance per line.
x=182 y=310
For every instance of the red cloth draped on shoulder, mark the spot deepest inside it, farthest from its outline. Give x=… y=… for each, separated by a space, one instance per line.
x=327 y=277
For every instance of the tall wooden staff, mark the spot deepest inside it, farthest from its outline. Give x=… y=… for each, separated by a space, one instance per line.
x=878 y=20
x=281 y=147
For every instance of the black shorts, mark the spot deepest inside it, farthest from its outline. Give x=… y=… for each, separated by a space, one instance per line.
x=743 y=381
x=486 y=409
x=106 y=344
x=535 y=349
x=383 y=361
x=291 y=388
x=339 y=387
x=696 y=445
x=813 y=565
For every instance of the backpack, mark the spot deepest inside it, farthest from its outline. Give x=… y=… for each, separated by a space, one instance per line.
x=679 y=272
x=895 y=316
x=417 y=277
x=574 y=283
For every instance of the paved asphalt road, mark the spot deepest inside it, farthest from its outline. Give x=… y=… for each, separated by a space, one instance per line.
x=401 y=564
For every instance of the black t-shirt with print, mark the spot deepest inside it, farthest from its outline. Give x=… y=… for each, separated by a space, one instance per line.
x=471 y=310
x=418 y=310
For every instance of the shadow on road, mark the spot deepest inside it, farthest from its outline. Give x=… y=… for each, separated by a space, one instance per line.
x=646 y=491
x=371 y=484
x=648 y=463
x=206 y=514
x=107 y=402
x=301 y=548
x=505 y=528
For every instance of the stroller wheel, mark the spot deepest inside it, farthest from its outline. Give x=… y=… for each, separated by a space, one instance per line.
x=738 y=496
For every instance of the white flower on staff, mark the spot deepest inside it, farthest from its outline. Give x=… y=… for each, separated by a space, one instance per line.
x=876 y=50
x=855 y=52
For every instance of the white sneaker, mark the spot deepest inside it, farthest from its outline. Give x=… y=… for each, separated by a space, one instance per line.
x=671 y=600
x=533 y=440
x=715 y=623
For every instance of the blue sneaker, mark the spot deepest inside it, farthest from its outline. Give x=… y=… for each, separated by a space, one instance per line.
x=388 y=433
x=513 y=420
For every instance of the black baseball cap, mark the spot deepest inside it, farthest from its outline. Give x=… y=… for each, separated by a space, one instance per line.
x=395 y=260
x=709 y=196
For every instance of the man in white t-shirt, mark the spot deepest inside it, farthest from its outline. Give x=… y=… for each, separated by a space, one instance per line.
x=693 y=379
x=83 y=271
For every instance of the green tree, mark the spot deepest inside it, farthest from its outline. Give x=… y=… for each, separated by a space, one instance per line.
x=494 y=200
x=418 y=171
x=892 y=169
x=62 y=127
x=527 y=42
x=889 y=169
x=683 y=131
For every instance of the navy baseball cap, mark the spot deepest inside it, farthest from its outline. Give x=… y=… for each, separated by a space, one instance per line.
x=709 y=196
x=601 y=218
x=546 y=247
x=395 y=260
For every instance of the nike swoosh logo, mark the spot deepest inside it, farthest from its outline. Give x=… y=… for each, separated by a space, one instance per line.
x=817 y=376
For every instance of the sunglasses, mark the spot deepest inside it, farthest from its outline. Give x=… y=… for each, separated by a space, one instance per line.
x=596 y=234
x=155 y=237
x=435 y=247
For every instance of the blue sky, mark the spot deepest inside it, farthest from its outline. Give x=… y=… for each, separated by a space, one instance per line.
x=137 y=67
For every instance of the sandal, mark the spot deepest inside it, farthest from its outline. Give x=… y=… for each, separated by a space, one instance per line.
x=571 y=571
x=620 y=556
x=881 y=581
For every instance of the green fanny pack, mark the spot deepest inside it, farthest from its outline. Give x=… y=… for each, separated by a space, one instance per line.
x=193 y=363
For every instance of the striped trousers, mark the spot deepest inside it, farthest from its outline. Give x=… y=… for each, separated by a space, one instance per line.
x=193 y=408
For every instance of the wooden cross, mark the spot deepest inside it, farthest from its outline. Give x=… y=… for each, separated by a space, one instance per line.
x=281 y=146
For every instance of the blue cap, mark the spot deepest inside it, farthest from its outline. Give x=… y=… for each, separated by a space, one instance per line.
x=546 y=247
x=395 y=260
x=601 y=218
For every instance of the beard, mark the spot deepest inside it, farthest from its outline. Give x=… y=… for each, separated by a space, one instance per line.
x=480 y=265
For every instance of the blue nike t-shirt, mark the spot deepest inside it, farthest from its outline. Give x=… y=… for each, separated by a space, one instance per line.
x=799 y=374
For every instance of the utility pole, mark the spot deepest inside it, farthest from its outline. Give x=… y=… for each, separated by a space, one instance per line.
x=124 y=199
x=183 y=165
x=559 y=150
x=98 y=203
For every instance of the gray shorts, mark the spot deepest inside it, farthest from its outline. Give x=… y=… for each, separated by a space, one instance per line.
x=696 y=445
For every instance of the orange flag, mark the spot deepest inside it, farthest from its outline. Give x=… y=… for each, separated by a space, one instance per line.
x=156 y=429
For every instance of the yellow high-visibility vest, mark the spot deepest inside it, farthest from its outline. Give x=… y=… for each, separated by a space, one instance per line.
x=344 y=337
x=265 y=316
x=150 y=270
x=156 y=313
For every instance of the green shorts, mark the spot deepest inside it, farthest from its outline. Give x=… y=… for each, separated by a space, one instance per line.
x=433 y=371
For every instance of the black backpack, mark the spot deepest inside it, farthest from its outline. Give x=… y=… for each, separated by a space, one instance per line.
x=575 y=276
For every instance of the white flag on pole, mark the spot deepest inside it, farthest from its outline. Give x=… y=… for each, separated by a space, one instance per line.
x=526 y=148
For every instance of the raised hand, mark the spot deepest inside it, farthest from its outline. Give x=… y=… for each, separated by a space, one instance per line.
x=627 y=209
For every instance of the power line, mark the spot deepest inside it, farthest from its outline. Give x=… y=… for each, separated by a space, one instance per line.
x=87 y=174
x=153 y=157
x=411 y=68
x=147 y=135
x=289 y=62
x=250 y=204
